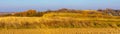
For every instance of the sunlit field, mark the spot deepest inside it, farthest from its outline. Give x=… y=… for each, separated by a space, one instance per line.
x=60 y=22
x=62 y=31
x=57 y=22
x=59 y=17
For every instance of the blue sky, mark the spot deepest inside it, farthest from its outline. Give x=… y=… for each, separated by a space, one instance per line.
x=40 y=5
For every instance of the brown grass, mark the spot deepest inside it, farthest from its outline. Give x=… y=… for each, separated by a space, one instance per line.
x=62 y=31
x=57 y=22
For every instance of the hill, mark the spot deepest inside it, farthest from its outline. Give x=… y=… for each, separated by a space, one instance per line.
x=63 y=18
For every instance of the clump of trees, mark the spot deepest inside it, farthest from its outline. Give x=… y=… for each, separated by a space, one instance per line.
x=28 y=13
x=25 y=13
x=111 y=12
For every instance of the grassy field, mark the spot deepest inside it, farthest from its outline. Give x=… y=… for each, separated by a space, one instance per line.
x=57 y=22
x=61 y=23
x=60 y=20
x=62 y=31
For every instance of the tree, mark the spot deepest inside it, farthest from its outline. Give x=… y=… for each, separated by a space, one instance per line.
x=30 y=12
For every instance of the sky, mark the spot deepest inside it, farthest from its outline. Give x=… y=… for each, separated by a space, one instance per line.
x=41 y=5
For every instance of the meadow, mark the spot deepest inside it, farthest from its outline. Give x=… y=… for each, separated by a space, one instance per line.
x=60 y=22
x=62 y=31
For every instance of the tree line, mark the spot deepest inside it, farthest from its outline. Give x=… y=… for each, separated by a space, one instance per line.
x=34 y=13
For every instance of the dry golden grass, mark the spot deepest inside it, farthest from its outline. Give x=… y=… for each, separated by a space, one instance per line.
x=61 y=20
x=62 y=31
x=42 y=19
x=57 y=22
x=60 y=23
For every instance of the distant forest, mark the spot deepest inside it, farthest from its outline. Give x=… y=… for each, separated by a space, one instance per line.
x=34 y=13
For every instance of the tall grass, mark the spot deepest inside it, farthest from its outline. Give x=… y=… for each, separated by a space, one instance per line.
x=57 y=22
x=62 y=31
x=85 y=19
